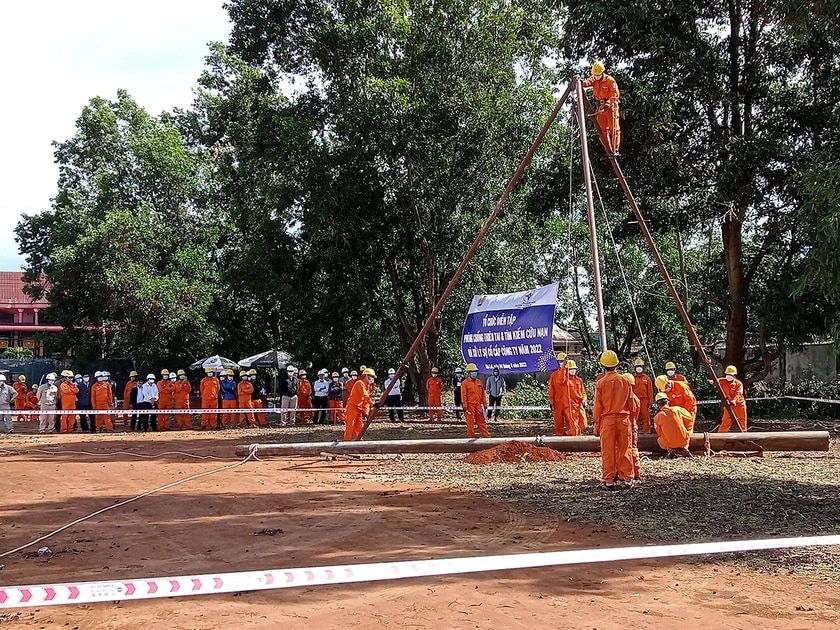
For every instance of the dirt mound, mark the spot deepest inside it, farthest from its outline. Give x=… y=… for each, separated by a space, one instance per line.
x=515 y=452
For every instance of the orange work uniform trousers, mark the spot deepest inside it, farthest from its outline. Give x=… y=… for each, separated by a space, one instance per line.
x=616 y=457
x=474 y=414
x=740 y=411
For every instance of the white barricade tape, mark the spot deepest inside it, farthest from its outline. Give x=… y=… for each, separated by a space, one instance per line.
x=818 y=400
x=212 y=583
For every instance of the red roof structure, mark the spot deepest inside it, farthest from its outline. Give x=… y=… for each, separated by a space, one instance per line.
x=19 y=313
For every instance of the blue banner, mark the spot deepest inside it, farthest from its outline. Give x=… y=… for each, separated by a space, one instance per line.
x=511 y=331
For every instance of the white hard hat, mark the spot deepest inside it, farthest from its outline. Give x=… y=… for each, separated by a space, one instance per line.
x=391 y=371
x=291 y=368
x=150 y=376
x=52 y=375
x=97 y=374
x=345 y=371
x=2 y=377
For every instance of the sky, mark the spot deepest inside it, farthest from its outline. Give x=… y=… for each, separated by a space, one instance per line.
x=58 y=54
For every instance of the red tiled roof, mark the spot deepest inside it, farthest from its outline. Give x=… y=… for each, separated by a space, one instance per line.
x=11 y=290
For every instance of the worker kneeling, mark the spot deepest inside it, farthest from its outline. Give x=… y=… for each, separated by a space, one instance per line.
x=673 y=427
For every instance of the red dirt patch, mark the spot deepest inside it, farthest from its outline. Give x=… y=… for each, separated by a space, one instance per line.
x=514 y=452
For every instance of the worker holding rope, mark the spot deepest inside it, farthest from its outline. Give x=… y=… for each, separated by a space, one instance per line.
x=359 y=404
x=733 y=389
x=605 y=89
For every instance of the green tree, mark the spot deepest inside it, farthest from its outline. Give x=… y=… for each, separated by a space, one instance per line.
x=123 y=255
x=18 y=353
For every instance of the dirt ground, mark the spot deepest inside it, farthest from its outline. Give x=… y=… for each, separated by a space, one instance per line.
x=334 y=512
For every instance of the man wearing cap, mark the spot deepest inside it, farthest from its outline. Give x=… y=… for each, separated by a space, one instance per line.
x=322 y=396
x=126 y=400
x=32 y=399
x=394 y=399
x=244 y=390
x=8 y=395
x=304 y=389
x=456 y=391
x=359 y=404
x=346 y=385
x=83 y=403
x=102 y=399
x=258 y=398
x=20 y=401
x=183 y=388
x=209 y=390
x=47 y=399
x=166 y=389
x=334 y=395
x=475 y=402
x=558 y=393
x=147 y=397
x=733 y=389
x=68 y=392
x=611 y=413
x=434 y=391
x=673 y=427
x=288 y=390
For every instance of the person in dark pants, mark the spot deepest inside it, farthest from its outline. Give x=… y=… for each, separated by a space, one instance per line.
x=496 y=388
x=321 y=388
x=83 y=403
x=147 y=398
x=456 y=389
x=394 y=399
x=132 y=400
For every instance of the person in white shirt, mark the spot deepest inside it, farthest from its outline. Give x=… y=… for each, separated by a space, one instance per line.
x=47 y=397
x=321 y=396
x=394 y=399
x=147 y=397
x=7 y=399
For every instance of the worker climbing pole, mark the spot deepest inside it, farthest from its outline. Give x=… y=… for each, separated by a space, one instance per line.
x=605 y=89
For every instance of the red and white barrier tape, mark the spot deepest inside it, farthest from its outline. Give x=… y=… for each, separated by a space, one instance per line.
x=212 y=583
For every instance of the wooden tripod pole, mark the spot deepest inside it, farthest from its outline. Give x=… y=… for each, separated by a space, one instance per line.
x=463 y=266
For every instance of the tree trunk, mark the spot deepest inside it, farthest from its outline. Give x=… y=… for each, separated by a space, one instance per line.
x=736 y=317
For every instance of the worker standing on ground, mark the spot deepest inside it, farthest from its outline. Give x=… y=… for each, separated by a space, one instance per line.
x=32 y=400
x=611 y=414
x=126 y=401
x=359 y=404
x=8 y=395
x=605 y=89
x=102 y=399
x=68 y=392
x=166 y=390
x=229 y=400
x=575 y=415
x=182 y=400
x=558 y=393
x=672 y=374
x=474 y=399
x=321 y=389
x=244 y=389
x=679 y=395
x=733 y=389
x=20 y=401
x=434 y=391
x=335 y=395
x=47 y=398
x=209 y=390
x=673 y=426
x=456 y=391
x=643 y=389
x=304 y=389
x=496 y=388
x=394 y=399
x=635 y=409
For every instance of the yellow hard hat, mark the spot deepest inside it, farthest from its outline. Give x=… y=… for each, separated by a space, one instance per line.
x=369 y=372
x=35 y=386
x=435 y=370
x=242 y=373
x=660 y=397
x=571 y=364
x=472 y=367
x=132 y=373
x=609 y=359
x=731 y=369
x=229 y=372
x=638 y=362
x=22 y=378
x=208 y=370
x=630 y=378
x=252 y=372
x=67 y=373
x=334 y=375
x=302 y=373
x=661 y=382
x=164 y=371
x=670 y=366
x=354 y=373
x=561 y=356
x=181 y=373
x=597 y=68
x=362 y=369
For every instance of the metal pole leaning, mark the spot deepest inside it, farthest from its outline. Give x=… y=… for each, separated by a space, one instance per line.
x=462 y=267
x=692 y=333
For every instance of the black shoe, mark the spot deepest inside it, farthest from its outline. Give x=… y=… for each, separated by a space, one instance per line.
x=609 y=487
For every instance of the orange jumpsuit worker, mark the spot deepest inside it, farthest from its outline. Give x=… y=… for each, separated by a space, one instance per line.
x=67 y=391
x=643 y=388
x=126 y=401
x=434 y=391
x=244 y=389
x=605 y=89
x=32 y=399
x=474 y=401
x=611 y=412
x=182 y=400
x=733 y=389
x=20 y=401
x=679 y=394
x=305 y=397
x=102 y=398
x=575 y=416
x=257 y=397
x=673 y=426
x=166 y=389
x=209 y=390
x=672 y=374
x=358 y=404
x=635 y=409
x=558 y=393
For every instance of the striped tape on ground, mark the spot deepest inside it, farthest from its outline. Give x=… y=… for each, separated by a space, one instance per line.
x=210 y=583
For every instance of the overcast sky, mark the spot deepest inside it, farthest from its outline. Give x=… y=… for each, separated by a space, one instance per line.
x=58 y=54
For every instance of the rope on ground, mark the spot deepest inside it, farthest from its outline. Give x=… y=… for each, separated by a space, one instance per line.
x=27 y=451
x=252 y=454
